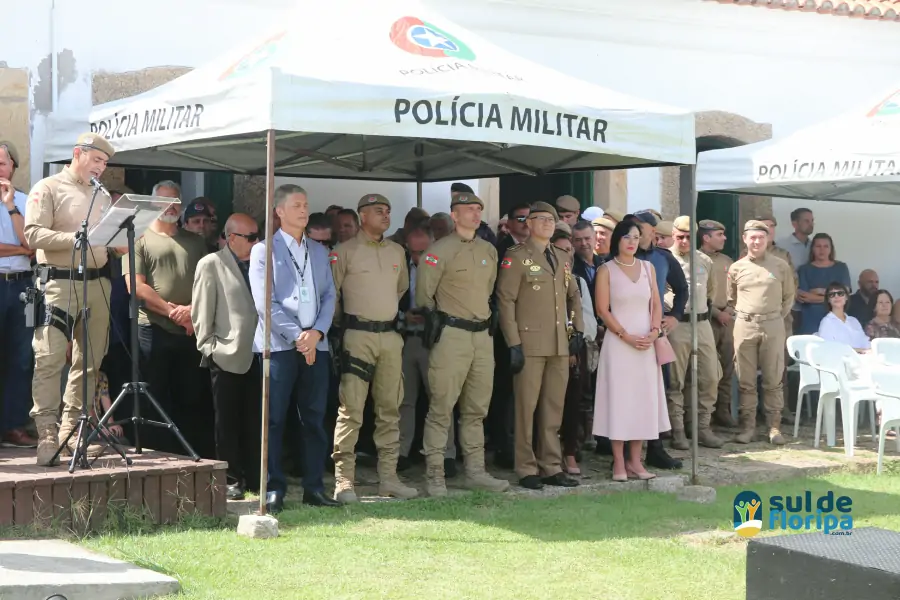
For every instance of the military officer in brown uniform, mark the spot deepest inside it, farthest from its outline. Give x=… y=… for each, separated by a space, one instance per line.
x=708 y=370
x=784 y=255
x=56 y=207
x=761 y=290
x=539 y=300
x=454 y=286
x=712 y=242
x=370 y=277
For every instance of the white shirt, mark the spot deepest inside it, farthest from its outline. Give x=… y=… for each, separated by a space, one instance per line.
x=13 y=264
x=306 y=311
x=849 y=332
x=587 y=311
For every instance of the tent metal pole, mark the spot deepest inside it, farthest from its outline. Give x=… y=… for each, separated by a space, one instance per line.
x=689 y=190
x=267 y=327
x=420 y=173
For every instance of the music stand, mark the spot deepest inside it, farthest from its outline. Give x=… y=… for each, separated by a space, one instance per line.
x=133 y=214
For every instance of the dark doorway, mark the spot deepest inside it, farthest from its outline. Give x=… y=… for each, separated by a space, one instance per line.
x=724 y=209
x=515 y=189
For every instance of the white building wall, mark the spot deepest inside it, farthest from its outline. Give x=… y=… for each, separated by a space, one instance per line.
x=790 y=69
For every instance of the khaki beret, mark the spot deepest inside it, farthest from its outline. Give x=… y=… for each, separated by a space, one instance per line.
x=655 y=213
x=766 y=217
x=568 y=203
x=539 y=207
x=664 y=228
x=604 y=222
x=682 y=223
x=710 y=225
x=465 y=198
x=11 y=150
x=754 y=225
x=95 y=142
x=371 y=200
x=615 y=215
x=564 y=227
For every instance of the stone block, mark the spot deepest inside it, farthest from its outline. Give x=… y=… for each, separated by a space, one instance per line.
x=700 y=494
x=668 y=484
x=258 y=527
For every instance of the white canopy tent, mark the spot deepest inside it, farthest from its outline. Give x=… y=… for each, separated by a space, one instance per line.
x=364 y=90
x=354 y=89
x=852 y=158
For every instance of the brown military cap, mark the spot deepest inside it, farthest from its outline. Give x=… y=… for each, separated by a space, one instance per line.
x=710 y=225
x=372 y=200
x=682 y=223
x=564 y=228
x=664 y=228
x=754 y=225
x=11 y=150
x=767 y=217
x=604 y=222
x=95 y=142
x=465 y=198
x=568 y=203
x=615 y=215
x=539 y=207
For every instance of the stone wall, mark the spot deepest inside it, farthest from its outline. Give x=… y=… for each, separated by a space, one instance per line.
x=15 y=121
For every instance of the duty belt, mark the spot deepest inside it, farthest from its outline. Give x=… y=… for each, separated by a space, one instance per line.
x=757 y=318
x=57 y=273
x=687 y=318
x=354 y=322
x=465 y=324
x=16 y=276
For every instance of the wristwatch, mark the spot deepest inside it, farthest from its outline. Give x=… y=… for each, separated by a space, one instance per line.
x=14 y=211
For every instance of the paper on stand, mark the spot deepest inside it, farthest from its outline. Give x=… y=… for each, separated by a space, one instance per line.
x=109 y=230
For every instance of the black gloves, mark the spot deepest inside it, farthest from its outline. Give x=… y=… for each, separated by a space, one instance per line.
x=576 y=342
x=516 y=359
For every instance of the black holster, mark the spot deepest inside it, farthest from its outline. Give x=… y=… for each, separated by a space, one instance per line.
x=351 y=365
x=335 y=343
x=40 y=314
x=434 y=325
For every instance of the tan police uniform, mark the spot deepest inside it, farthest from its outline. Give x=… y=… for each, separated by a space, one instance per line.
x=538 y=297
x=708 y=369
x=723 y=334
x=370 y=277
x=456 y=279
x=762 y=293
x=56 y=207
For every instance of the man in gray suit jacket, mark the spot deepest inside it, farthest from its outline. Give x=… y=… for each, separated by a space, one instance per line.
x=302 y=308
x=224 y=319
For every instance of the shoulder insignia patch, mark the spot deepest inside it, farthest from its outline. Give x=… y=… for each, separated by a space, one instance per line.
x=431 y=260
x=332 y=257
x=505 y=263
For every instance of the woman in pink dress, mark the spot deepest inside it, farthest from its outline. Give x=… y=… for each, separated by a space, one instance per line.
x=630 y=404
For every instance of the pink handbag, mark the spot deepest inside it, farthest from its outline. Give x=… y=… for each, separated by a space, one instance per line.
x=664 y=352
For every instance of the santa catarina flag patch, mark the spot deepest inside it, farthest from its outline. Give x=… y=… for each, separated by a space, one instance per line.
x=506 y=263
x=431 y=260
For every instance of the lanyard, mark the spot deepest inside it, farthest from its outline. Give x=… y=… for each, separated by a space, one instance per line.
x=301 y=272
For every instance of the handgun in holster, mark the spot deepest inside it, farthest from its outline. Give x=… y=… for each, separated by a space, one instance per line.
x=355 y=366
x=434 y=325
x=335 y=344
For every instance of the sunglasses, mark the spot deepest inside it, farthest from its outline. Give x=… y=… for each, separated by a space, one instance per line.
x=250 y=237
x=837 y=294
x=521 y=219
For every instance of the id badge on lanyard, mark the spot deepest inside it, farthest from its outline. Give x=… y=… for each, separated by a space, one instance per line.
x=305 y=292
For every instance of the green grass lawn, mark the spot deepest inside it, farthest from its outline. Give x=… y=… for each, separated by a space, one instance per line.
x=616 y=546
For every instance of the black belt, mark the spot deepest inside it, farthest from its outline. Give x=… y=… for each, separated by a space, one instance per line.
x=353 y=322
x=687 y=318
x=18 y=276
x=89 y=274
x=467 y=325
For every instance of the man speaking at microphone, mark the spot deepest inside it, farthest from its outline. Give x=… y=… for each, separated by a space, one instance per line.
x=55 y=209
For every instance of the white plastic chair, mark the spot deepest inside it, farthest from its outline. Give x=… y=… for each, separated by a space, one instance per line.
x=856 y=387
x=888 y=349
x=809 y=377
x=887 y=385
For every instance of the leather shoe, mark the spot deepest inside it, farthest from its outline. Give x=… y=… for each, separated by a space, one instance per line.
x=274 y=502
x=560 y=480
x=234 y=492
x=531 y=482
x=449 y=468
x=319 y=499
x=504 y=460
x=659 y=458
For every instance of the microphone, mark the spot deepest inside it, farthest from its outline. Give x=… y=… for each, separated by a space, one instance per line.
x=96 y=183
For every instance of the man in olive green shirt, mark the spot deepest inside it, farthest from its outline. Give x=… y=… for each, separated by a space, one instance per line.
x=165 y=259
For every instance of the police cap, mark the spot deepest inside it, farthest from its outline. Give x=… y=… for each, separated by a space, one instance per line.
x=682 y=223
x=615 y=215
x=568 y=203
x=645 y=216
x=754 y=225
x=11 y=151
x=95 y=142
x=539 y=207
x=563 y=227
x=710 y=225
x=372 y=200
x=465 y=198
x=664 y=228
x=604 y=222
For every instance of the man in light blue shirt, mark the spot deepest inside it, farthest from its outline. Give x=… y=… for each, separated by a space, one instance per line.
x=797 y=245
x=15 y=337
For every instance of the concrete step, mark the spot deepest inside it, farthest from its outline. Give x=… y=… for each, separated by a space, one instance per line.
x=42 y=569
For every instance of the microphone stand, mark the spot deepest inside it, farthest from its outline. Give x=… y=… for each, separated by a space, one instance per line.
x=79 y=456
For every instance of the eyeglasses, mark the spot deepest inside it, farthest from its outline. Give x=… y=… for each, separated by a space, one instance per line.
x=837 y=294
x=633 y=238
x=250 y=237
x=543 y=219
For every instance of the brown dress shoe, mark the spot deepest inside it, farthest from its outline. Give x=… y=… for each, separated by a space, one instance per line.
x=18 y=438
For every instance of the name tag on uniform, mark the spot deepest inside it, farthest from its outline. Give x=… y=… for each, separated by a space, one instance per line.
x=305 y=295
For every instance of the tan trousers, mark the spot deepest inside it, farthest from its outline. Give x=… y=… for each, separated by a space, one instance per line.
x=724 y=338
x=385 y=351
x=460 y=370
x=540 y=390
x=415 y=376
x=50 y=344
x=759 y=345
x=707 y=378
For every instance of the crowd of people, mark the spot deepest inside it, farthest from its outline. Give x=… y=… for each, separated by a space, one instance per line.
x=562 y=332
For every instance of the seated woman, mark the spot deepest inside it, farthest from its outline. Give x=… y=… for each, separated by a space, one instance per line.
x=821 y=270
x=881 y=325
x=837 y=325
